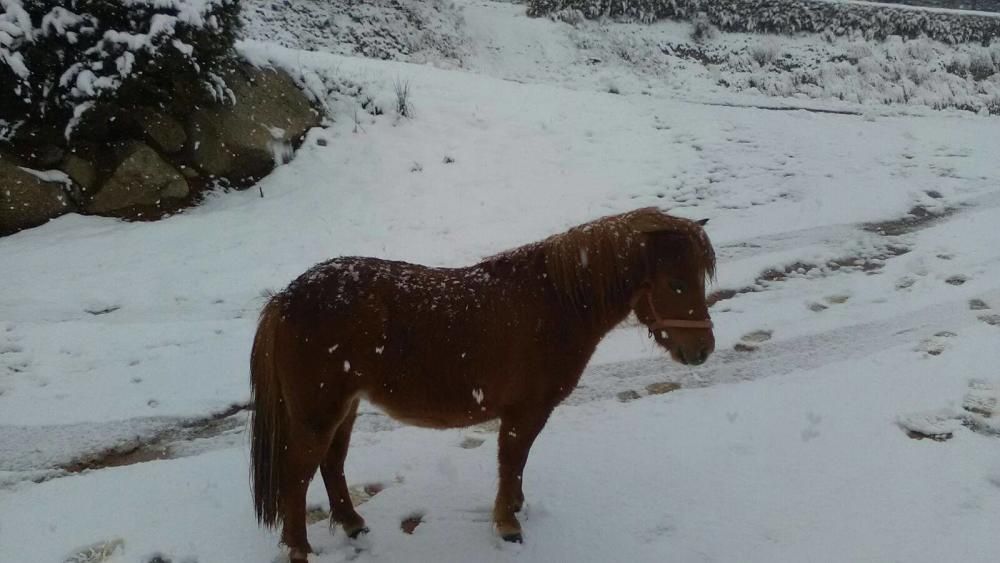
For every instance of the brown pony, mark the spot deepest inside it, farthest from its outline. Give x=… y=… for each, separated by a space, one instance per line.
x=442 y=348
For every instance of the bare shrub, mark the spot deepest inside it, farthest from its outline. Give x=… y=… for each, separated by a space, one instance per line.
x=403 y=106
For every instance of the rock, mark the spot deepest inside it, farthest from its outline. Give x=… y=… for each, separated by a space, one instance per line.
x=163 y=131
x=209 y=151
x=80 y=171
x=188 y=172
x=237 y=141
x=26 y=200
x=141 y=177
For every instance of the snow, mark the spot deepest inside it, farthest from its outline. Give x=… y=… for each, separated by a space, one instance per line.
x=796 y=448
x=49 y=175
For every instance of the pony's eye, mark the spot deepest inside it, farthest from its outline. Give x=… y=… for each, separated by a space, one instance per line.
x=677 y=286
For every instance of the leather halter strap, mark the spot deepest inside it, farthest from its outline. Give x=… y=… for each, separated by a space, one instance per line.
x=660 y=323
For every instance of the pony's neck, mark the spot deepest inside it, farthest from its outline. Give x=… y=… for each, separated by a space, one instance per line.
x=600 y=319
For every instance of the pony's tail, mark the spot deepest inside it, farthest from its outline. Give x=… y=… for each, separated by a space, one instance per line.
x=268 y=432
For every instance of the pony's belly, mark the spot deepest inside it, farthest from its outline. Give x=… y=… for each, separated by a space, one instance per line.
x=427 y=414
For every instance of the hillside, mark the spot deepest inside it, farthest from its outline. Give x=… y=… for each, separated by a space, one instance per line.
x=857 y=311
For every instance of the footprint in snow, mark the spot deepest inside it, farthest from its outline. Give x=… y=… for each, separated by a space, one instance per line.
x=978 y=305
x=410 y=523
x=957 y=279
x=471 y=442
x=628 y=395
x=812 y=429
x=935 y=345
x=97 y=552
x=992 y=319
x=983 y=398
x=657 y=388
x=360 y=494
x=97 y=309
x=751 y=340
x=980 y=407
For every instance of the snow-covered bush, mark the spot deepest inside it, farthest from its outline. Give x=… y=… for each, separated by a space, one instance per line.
x=981 y=64
x=58 y=58
x=570 y=16
x=858 y=51
x=765 y=52
x=702 y=28
x=416 y=31
x=916 y=72
x=871 y=21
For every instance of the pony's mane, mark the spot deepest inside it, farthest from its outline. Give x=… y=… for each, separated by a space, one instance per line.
x=598 y=264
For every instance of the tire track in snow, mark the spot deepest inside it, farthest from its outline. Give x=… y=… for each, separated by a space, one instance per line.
x=917 y=219
x=599 y=382
x=885 y=238
x=141 y=440
x=781 y=357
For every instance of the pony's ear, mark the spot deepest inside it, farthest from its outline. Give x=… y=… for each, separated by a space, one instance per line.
x=702 y=222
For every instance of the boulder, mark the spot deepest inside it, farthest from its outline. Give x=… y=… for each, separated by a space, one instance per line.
x=26 y=200
x=163 y=131
x=141 y=177
x=83 y=174
x=238 y=141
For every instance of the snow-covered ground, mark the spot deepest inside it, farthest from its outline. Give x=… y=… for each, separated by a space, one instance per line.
x=859 y=306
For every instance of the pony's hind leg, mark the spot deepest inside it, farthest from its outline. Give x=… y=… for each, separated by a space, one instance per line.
x=518 y=431
x=307 y=445
x=341 y=508
x=305 y=451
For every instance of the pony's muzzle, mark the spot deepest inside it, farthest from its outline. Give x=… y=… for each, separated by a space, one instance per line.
x=693 y=357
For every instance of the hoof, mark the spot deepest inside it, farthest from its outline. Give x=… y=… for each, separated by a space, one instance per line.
x=358 y=533
x=513 y=538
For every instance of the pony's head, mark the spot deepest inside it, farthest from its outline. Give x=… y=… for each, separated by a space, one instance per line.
x=644 y=260
x=670 y=300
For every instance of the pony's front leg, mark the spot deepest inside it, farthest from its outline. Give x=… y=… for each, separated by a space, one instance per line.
x=518 y=431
